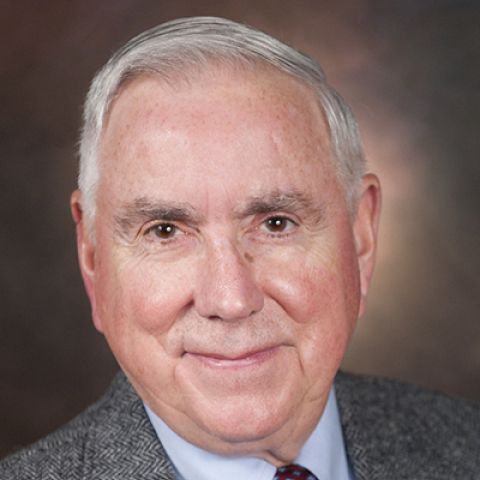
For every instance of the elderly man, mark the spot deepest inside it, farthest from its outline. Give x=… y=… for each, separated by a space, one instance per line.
x=226 y=235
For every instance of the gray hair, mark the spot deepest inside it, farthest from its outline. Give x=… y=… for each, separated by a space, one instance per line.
x=195 y=42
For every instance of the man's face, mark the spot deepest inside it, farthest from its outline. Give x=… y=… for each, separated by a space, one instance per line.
x=225 y=274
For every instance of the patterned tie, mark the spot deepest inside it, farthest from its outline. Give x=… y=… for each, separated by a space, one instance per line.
x=294 y=472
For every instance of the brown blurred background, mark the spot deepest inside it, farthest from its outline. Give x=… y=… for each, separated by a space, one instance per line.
x=410 y=69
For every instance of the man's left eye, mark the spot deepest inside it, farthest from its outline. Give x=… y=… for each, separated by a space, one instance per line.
x=278 y=224
x=164 y=230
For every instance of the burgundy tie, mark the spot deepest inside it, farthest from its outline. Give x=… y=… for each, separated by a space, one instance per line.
x=294 y=472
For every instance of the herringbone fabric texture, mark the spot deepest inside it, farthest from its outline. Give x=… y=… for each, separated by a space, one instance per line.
x=294 y=472
x=392 y=431
x=111 y=440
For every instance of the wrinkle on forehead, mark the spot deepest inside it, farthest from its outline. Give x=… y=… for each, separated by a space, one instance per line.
x=143 y=208
x=253 y=80
x=214 y=129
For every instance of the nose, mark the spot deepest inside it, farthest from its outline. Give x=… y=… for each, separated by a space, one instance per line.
x=226 y=287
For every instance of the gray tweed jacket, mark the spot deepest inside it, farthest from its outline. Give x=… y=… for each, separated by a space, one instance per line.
x=392 y=431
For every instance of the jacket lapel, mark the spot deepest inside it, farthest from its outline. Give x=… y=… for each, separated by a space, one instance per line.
x=357 y=421
x=122 y=444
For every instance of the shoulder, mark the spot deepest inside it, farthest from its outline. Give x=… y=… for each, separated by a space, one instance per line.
x=408 y=428
x=48 y=457
x=398 y=399
x=70 y=451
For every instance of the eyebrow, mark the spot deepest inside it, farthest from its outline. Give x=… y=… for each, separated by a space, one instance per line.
x=143 y=210
x=293 y=201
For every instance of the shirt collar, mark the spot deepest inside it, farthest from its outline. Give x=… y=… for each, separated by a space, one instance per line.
x=323 y=453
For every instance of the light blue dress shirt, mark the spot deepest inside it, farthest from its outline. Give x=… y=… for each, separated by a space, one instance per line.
x=323 y=453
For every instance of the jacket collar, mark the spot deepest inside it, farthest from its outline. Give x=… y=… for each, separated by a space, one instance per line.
x=122 y=441
x=126 y=444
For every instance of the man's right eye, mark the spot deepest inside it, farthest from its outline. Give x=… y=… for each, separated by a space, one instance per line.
x=162 y=230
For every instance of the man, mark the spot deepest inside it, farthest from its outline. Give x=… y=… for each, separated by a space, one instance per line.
x=226 y=234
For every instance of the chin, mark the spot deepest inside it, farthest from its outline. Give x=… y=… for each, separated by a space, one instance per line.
x=243 y=422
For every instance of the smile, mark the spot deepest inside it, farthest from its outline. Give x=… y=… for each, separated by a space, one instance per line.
x=251 y=358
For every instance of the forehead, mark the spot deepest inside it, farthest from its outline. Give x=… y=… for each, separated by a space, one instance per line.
x=250 y=124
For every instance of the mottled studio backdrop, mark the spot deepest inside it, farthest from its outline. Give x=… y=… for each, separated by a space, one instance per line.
x=410 y=68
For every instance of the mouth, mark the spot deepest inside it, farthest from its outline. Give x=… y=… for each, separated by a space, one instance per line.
x=220 y=360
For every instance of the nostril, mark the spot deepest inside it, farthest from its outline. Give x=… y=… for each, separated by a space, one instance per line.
x=239 y=316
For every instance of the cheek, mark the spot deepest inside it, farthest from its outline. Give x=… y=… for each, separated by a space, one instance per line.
x=140 y=302
x=321 y=295
x=312 y=288
x=324 y=316
x=139 y=307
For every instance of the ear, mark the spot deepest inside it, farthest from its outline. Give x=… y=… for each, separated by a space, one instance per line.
x=86 y=253
x=365 y=230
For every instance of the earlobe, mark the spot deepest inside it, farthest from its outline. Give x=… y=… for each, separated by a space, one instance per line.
x=86 y=253
x=365 y=231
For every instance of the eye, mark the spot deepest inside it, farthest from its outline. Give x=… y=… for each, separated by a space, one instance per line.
x=162 y=230
x=279 y=224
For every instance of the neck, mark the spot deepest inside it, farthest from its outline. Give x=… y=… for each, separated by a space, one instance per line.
x=279 y=448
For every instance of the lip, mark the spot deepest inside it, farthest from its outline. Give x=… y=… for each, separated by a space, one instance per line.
x=250 y=358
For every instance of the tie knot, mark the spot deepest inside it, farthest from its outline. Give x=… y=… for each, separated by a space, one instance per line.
x=294 y=472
